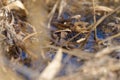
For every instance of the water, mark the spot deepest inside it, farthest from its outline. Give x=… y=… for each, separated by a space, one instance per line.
x=71 y=64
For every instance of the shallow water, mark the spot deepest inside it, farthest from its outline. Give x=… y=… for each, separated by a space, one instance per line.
x=70 y=63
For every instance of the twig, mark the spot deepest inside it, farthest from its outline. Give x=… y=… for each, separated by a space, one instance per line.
x=71 y=39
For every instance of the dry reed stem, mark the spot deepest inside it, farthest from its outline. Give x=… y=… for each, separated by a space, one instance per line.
x=61 y=7
x=106 y=51
x=76 y=52
x=93 y=26
x=53 y=68
x=50 y=16
x=110 y=38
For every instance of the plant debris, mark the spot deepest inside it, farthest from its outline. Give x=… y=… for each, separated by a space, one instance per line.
x=60 y=39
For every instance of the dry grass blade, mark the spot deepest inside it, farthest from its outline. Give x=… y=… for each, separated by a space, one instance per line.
x=106 y=51
x=50 y=16
x=93 y=26
x=53 y=68
x=27 y=37
x=110 y=38
x=80 y=40
x=49 y=48
x=103 y=9
x=77 y=53
x=61 y=7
